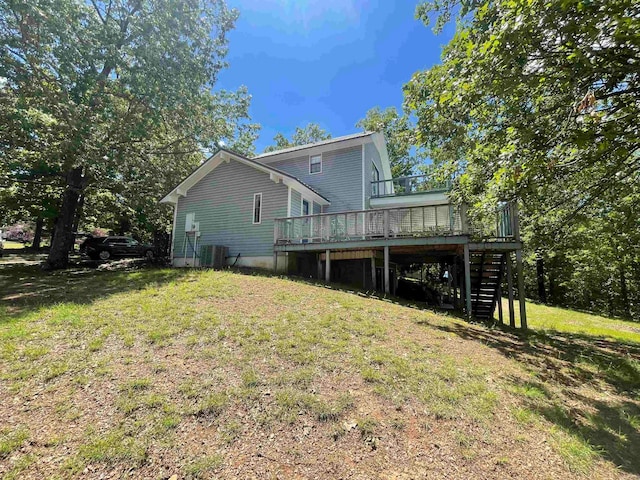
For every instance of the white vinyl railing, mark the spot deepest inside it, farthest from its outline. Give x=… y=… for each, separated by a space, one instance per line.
x=409 y=186
x=432 y=220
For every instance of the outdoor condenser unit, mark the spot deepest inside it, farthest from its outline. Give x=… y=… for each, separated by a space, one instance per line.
x=213 y=256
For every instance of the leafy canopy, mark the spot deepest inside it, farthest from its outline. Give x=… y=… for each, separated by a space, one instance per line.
x=536 y=97
x=540 y=101
x=312 y=133
x=400 y=137
x=116 y=98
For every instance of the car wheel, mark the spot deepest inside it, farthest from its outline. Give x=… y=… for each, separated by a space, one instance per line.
x=149 y=254
x=105 y=255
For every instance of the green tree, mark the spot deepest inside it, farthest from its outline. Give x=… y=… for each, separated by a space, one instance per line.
x=399 y=134
x=117 y=96
x=539 y=101
x=312 y=133
x=537 y=93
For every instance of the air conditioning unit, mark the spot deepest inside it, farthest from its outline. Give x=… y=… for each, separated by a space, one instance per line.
x=214 y=256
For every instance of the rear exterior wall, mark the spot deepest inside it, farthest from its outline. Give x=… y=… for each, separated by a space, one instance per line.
x=223 y=205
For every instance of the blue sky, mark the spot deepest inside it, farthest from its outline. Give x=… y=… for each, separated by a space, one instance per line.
x=326 y=61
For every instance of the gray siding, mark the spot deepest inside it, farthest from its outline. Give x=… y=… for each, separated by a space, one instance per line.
x=371 y=156
x=223 y=204
x=317 y=208
x=340 y=180
x=296 y=203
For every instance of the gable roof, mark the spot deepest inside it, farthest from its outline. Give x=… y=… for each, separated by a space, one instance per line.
x=353 y=136
x=351 y=140
x=224 y=155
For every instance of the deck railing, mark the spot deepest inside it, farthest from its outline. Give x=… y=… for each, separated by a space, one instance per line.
x=432 y=220
x=408 y=186
x=424 y=221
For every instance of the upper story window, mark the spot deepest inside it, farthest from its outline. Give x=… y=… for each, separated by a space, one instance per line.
x=305 y=207
x=375 y=177
x=315 y=164
x=257 y=208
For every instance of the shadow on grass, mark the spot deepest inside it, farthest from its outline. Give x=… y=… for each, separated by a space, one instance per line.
x=573 y=361
x=352 y=290
x=25 y=287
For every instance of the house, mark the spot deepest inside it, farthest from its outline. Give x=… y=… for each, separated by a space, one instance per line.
x=332 y=210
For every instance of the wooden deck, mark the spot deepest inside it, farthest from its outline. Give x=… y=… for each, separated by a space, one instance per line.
x=411 y=234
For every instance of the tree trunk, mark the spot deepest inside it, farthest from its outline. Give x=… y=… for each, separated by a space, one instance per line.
x=124 y=226
x=624 y=293
x=552 y=293
x=37 y=236
x=63 y=238
x=78 y=215
x=542 y=294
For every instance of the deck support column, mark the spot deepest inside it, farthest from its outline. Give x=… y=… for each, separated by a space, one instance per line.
x=319 y=260
x=387 y=288
x=327 y=269
x=500 y=315
x=275 y=262
x=521 y=300
x=467 y=279
x=454 y=273
x=512 y=315
x=373 y=271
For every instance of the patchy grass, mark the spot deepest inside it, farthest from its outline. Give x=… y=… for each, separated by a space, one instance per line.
x=549 y=319
x=201 y=467
x=11 y=440
x=203 y=374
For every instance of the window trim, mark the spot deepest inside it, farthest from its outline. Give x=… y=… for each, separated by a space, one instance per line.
x=310 y=203
x=253 y=210
x=315 y=156
x=375 y=177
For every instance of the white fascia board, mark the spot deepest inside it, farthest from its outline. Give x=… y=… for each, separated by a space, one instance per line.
x=381 y=144
x=181 y=190
x=223 y=156
x=315 y=150
x=305 y=191
x=170 y=199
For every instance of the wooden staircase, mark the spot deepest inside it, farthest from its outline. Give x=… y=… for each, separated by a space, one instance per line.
x=486 y=276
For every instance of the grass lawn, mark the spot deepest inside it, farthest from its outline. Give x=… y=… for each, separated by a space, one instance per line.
x=10 y=245
x=543 y=318
x=205 y=374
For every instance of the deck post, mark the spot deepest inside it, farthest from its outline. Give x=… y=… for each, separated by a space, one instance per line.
x=327 y=269
x=521 y=299
x=454 y=275
x=385 y=223
x=275 y=262
x=463 y=218
x=387 y=288
x=512 y=315
x=467 y=279
x=319 y=260
x=500 y=315
x=373 y=270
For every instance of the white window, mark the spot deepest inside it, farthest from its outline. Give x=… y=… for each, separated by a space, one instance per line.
x=375 y=178
x=315 y=164
x=257 y=208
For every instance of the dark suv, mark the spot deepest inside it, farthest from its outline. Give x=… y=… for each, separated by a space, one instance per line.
x=104 y=248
